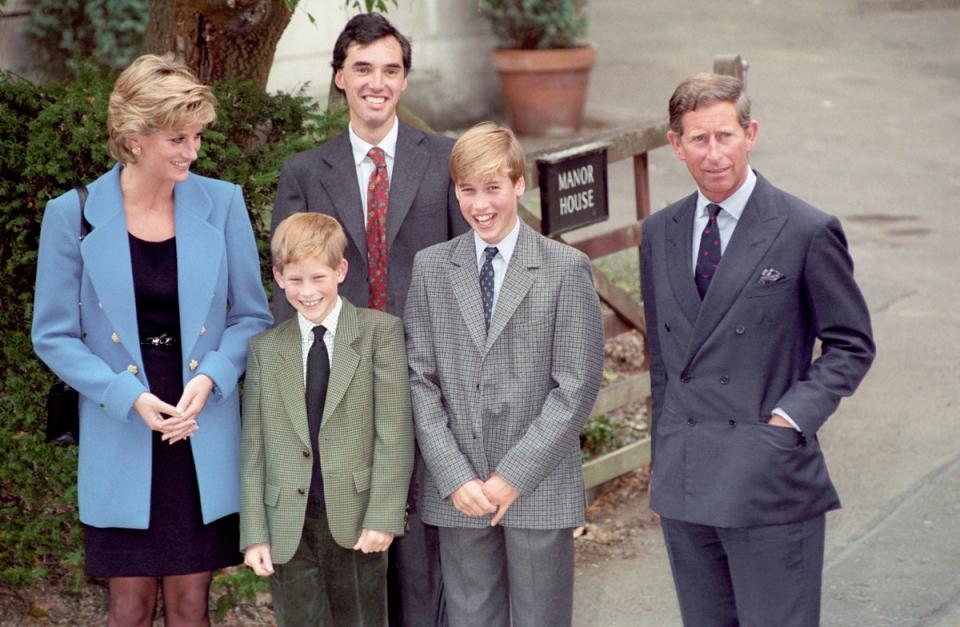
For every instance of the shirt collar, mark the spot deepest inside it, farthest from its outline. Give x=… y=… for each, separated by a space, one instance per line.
x=329 y=323
x=360 y=147
x=505 y=246
x=735 y=202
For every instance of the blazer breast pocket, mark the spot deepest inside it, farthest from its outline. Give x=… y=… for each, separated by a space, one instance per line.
x=758 y=290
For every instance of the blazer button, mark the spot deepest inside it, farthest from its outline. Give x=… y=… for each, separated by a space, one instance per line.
x=301 y=491
x=684 y=378
x=691 y=421
x=724 y=380
x=193 y=364
x=732 y=423
x=740 y=329
x=203 y=330
x=666 y=325
x=306 y=453
x=132 y=369
x=115 y=338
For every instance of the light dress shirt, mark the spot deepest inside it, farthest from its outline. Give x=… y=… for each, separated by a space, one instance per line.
x=364 y=163
x=505 y=248
x=727 y=219
x=306 y=334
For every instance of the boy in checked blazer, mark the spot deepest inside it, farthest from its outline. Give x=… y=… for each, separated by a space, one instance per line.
x=327 y=446
x=505 y=346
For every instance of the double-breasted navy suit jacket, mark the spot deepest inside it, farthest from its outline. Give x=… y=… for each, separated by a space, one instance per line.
x=719 y=367
x=85 y=330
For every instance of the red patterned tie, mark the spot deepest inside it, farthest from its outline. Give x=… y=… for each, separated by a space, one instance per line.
x=378 y=190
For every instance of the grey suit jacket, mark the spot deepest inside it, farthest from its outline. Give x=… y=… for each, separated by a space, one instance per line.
x=718 y=368
x=512 y=400
x=423 y=209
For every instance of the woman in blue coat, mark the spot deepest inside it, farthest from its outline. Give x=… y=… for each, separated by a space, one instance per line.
x=149 y=317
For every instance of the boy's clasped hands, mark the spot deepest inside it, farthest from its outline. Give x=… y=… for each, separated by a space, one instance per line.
x=479 y=498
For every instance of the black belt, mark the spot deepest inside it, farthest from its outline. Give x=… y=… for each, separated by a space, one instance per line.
x=164 y=342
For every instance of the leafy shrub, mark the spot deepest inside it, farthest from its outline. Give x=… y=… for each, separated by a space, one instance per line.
x=65 y=34
x=53 y=136
x=535 y=24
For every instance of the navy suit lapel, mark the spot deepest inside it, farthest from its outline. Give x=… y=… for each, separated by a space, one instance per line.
x=517 y=281
x=465 y=281
x=290 y=377
x=756 y=230
x=679 y=257
x=199 y=256
x=409 y=165
x=339 y=178
x=106 y=258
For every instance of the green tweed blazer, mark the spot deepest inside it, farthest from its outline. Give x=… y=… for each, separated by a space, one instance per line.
x=365 y=441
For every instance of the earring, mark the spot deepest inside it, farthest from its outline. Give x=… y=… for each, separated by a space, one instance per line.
x=136 y=151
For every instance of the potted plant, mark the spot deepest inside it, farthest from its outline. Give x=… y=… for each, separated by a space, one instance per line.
x=544 y=67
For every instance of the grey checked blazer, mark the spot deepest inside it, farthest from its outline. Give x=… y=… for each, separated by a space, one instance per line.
x=366 y=435
x=511 y=401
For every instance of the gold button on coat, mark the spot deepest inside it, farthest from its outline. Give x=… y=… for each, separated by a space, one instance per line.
x=203 y=330
x=193 y=364
x=132 y=369
x=115 y=338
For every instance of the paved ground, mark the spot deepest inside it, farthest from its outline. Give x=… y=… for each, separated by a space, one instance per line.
x=859 y=114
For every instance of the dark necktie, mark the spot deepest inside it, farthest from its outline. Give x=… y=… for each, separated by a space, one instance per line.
x=709 y=256
x=318 y=373
x=486 y=284
x=378 y=192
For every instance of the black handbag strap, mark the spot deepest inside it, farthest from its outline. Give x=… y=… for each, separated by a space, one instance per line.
x=85 y=226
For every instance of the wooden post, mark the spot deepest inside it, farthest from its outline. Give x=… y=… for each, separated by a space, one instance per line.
x=731 y=65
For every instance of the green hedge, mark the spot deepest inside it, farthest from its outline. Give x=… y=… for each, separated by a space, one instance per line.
x=51 y=137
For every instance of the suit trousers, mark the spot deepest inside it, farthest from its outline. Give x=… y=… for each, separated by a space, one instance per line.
x=748 y=576
x=414 y=582
x=326 y=584
x=493 y=574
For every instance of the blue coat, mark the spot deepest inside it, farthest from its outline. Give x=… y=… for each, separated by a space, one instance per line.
x=85 y=330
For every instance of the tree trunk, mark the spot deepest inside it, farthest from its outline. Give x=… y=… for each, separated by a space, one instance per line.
x=220 y=39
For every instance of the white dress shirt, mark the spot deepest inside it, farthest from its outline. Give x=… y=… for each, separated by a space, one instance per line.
x=364 y=163
x=306 y=334
x=505 y=248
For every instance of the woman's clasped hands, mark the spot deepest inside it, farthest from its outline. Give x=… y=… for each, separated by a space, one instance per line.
x=180 y=422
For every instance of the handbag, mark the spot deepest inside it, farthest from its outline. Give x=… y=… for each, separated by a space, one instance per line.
x=63 y=402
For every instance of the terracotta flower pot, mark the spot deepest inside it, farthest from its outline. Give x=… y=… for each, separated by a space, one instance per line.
x=545 y=90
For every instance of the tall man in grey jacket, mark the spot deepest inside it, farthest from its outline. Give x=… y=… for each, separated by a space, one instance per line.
x=740 y=279
x=387 y=184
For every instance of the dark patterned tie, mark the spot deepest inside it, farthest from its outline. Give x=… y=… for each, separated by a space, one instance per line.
x=378 y=191
x=486 y=284
x=709 y=256
x=318 y=373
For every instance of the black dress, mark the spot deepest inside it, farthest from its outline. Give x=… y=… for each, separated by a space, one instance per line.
x=176 y=542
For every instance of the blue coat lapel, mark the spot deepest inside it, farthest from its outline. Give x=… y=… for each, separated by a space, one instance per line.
x=106 y=259
x=199 y=258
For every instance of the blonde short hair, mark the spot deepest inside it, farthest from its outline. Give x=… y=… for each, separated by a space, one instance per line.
x=486 y=150
x=308 y=234
x=155 y=93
